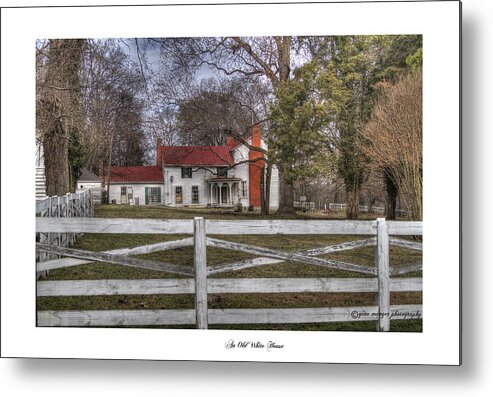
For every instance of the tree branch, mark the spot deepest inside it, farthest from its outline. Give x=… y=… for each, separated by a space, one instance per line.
x=244 y=141
x=267 y=70
x=230 y=72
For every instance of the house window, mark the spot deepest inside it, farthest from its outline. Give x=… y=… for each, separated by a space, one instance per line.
x=178 y=195
x=186 y=172
x=153 y=195
x=244 y=191
x=195 y=194
x=222 y=171
x=123 y=191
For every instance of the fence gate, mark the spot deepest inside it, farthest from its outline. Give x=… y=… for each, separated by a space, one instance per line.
x=380 y=234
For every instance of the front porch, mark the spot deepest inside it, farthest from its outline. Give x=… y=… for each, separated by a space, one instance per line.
x=223 y=192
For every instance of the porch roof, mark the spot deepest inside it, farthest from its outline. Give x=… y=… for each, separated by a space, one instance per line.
x=223 y=179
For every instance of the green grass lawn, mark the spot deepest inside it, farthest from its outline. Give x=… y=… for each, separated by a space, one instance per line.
x=163 y=212
x=184 y=256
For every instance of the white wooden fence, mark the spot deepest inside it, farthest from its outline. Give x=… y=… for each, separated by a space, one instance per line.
x=380 y=233
x=362 y=208
x=304 y=205
x=71 y=205
x=365 y=208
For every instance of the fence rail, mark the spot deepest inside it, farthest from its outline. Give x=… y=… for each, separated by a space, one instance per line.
x=201 y=285
x=101 y=318
x=220 y=286
x=222 y=227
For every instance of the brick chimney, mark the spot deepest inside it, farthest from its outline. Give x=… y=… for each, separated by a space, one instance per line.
x=254 y=168
x=231 y=142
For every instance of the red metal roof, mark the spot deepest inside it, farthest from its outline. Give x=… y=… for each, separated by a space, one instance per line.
x=137 y=174
x=195 y=155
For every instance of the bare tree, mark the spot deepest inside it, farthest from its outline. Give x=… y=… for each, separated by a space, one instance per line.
x=215 y=108
x=128 y=142
x=58 y=113
x=393 y=139
x=113 y=105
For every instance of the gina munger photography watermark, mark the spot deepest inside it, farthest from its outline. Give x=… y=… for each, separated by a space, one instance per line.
x=269 y=346
x=394 y=315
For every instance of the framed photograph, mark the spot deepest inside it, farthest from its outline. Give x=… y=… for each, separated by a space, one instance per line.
x=235 y=182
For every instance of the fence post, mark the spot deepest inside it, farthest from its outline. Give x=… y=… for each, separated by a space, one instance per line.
x=51 y=236
x=49 y=207
x=91 y=202
x=200 y=265
x=382 y=262
x=84 y=204
x=58 y=236
x=80 y=205
x=70 y=211
x=76 y=207
x=65 y=236
x=43 y=237
x=66 y=200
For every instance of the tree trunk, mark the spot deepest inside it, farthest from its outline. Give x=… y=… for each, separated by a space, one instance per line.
x=59 y=111
x=284 y=54
x=267 y=188
x=285 y=195
x=72 y=180
x=392 y=191
x=352 y=210
x=262 y=190
x=55 y=143
x=109 y=168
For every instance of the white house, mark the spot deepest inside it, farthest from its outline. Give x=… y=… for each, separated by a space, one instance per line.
x=217 y=176
x=140 y=185
x=90 y=181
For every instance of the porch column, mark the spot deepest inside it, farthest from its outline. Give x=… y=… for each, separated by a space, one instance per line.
x=220 y=193
x=211 y=187
x=230 y=201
